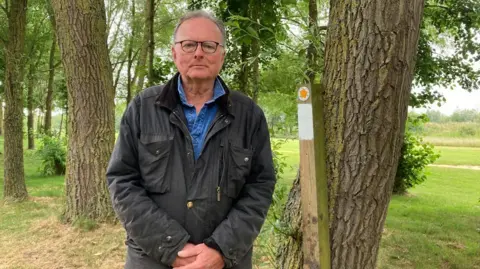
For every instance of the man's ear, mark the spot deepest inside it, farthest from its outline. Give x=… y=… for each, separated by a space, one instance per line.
x=174 y=53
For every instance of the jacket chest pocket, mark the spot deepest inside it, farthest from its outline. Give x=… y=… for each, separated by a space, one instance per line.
x=239 y=164
x=153 y=156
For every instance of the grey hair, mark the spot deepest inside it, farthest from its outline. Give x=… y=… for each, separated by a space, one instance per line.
x=201 y=14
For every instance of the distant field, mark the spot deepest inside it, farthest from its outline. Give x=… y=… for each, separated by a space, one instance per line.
x=453 y=141
x=452 y=129
x=458 y=156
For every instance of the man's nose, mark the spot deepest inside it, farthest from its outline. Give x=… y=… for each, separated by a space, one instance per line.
x=199 y=51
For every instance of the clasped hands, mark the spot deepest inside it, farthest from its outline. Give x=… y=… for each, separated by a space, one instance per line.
x=198 y=257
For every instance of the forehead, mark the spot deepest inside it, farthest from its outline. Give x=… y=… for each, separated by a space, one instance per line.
x=199 y=29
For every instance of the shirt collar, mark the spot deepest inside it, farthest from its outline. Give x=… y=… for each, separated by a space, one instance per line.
x=218 y=91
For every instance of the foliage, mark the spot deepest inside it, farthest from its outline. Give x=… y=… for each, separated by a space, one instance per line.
x=52 y=152
x=448 y=49
x=415 y=156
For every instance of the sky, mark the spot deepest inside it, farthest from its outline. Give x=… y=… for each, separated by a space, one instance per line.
x=456 y=99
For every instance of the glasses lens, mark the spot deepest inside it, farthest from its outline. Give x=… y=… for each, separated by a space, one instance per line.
x=189 y=46
x=209 y=46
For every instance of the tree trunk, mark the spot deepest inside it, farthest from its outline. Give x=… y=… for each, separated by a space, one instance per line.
x=367 y=80
x=49 y=100
x=30 y=117
x=289 y=254
x=61 y=126
x=142 y=59
x=312 y=53
x=1 y=115
x=255 y=7
x=51 y=75
x=151 y=43
x=243 y=76
x=130 y=81
x=14 y=177
x=82 y=39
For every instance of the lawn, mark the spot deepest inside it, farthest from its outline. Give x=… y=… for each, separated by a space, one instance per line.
x=437 y=225
x=458 y=156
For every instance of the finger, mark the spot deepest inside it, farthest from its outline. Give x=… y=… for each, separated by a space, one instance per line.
x=194 y=265
x=190 y=252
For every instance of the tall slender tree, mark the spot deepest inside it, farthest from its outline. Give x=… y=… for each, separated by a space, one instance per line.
x=82 y=39
x=14 y=177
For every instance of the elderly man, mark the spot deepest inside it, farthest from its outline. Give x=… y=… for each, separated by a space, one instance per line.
x=191 y=176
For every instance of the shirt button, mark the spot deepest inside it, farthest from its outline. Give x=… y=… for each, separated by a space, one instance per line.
x=190 y=204
x=159 y=248
x=169 y=238
x=227 y=121
x=157 y=152
x=246 y=159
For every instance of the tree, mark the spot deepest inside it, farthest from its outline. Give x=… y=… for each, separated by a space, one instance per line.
x=51 y=73
x=14 y=177
x=368 y=72
x=141 y=69
x=82 y=39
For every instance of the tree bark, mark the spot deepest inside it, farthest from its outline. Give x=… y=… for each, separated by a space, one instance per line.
x=142 y=59
x=290 y=255
x=30 y=117
x=367 y=80
x=151 y=43
x=130 y=81
x=14 y=177
x=51 y=76
x=82 y=39
x=1 y=114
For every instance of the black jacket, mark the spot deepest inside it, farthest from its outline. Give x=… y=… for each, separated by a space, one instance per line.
x=164 y=198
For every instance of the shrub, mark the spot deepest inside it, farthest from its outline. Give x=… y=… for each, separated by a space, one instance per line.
x=52 y=152
x=415 y=156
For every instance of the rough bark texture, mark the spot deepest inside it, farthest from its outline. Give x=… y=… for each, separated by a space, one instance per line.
x=81 y=34
x=369 y=66
x=142 y=59
x=14 y=177
x=290 y=255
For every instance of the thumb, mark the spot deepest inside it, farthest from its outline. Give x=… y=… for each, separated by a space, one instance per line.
x=186 y=253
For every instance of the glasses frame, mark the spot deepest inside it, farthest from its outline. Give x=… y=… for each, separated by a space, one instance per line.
x=201 y=45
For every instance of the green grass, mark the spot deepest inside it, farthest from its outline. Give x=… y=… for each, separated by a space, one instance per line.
x=458 y=156
x=436 y=225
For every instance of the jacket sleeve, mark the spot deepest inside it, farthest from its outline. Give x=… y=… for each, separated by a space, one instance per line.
x=158 y=235
x=237 y=233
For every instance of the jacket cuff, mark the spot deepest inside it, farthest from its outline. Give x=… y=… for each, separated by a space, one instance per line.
x=169 y=254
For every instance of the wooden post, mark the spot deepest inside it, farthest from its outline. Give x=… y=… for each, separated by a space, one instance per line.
x=321 y=177
x=308 y=186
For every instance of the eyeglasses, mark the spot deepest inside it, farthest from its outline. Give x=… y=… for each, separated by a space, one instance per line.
x=190 y=46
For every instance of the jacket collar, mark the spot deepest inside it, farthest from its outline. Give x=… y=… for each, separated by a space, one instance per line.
x=170 y=99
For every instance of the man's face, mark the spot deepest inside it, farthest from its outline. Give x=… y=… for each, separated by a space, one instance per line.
x=198 y=65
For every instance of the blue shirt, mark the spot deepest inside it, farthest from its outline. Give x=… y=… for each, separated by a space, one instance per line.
x=198 y=124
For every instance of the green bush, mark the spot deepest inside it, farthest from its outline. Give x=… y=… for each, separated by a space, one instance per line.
x=52 y=152
x=415 y=156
